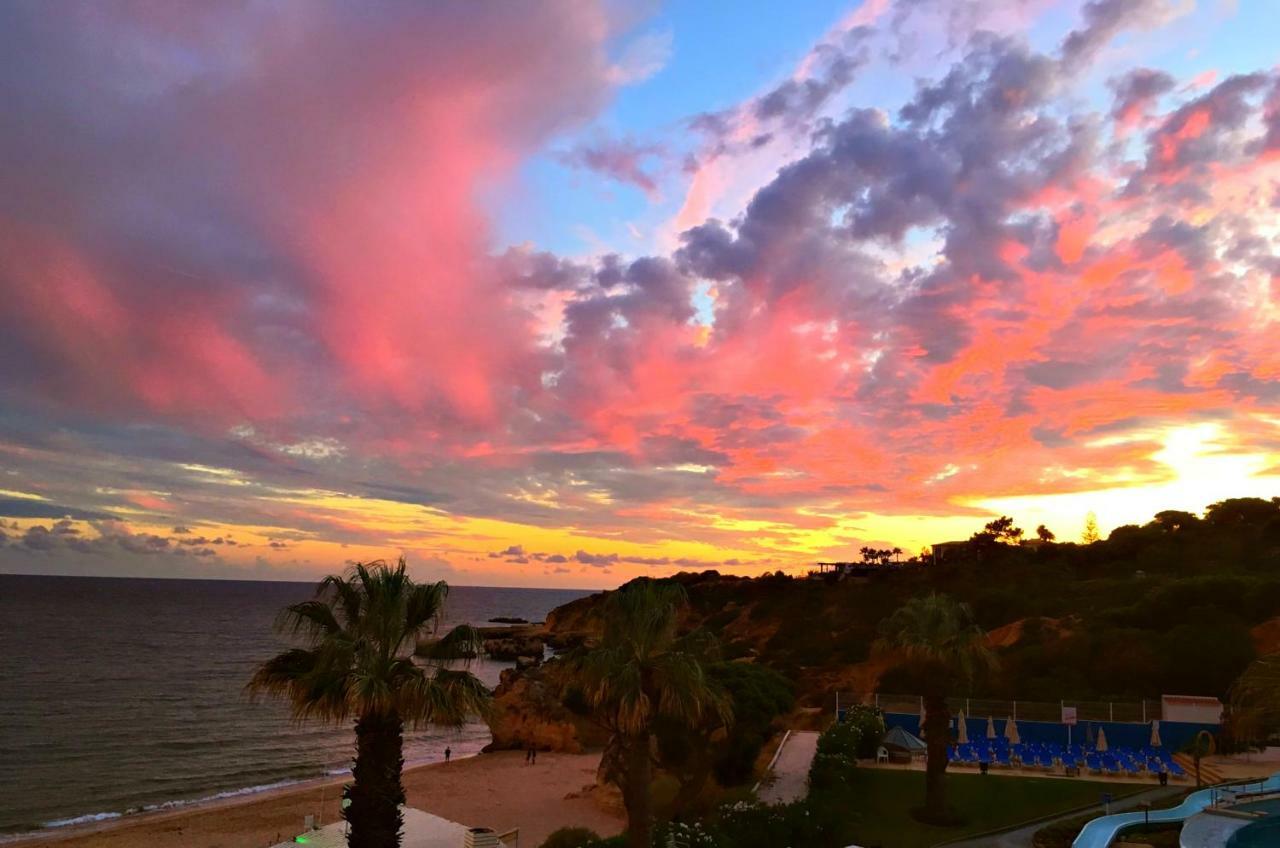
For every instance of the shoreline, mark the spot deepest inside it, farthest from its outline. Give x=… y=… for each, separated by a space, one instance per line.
x=496 y=790
x=57 y=833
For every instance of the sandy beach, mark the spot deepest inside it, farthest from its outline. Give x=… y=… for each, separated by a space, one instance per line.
x=496 y=790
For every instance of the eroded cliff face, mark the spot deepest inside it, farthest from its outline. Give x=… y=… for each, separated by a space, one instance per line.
x=529 y=709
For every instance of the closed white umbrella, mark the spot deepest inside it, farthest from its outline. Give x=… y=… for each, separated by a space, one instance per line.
x=1102 y=739
x=1155 y=734
x=1011 y=732
x=962 y=729
x=991 y=728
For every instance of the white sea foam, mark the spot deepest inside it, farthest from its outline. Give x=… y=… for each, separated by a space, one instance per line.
x=87 y=819
x=220 y=796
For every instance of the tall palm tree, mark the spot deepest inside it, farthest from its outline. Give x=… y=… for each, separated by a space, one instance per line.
x=360 y=631
x=944 y=649
x=638 y=671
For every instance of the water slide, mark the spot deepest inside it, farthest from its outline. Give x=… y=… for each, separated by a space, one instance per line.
x=1099 y=832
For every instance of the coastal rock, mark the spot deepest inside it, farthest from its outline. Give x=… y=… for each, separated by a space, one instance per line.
x=511 y=648
x=528 y=709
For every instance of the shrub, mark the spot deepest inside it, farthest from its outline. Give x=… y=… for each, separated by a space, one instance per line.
x=830 y=771
x=870 y=724
x=683 y=835
x=572 y=837
x=836 y=758
x=843 y=738
x=759 y=696
x=747 y=825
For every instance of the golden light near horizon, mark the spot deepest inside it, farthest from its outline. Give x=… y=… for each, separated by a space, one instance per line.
x=1196 y=465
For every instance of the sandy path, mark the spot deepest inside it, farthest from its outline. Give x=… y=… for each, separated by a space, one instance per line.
x=496 y=790
x=790 y=780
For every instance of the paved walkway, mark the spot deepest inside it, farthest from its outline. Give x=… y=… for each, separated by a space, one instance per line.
x=1022 y=837
x=790 y=780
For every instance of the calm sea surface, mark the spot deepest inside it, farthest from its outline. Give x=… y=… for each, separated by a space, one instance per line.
x=120 y=695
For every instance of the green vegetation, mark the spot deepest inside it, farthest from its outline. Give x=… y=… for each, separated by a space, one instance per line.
x=757 y=696
x=1255 y=701
x=1172 y=605
x=641 y=673
x=872 y=807
x=869 y=722
x=1100 y=618
x=986 y=803
x=945 y=652
x=360 y=630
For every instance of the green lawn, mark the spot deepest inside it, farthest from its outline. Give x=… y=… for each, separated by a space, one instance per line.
x=885 y=799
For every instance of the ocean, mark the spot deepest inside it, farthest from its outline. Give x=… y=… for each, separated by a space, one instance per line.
x=119 y=695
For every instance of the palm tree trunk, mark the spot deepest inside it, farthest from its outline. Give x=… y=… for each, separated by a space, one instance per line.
x=937 y=736
x=635 y=792
x=376 y=794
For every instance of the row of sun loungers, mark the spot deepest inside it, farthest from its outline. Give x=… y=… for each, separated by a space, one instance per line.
x=1132 y=762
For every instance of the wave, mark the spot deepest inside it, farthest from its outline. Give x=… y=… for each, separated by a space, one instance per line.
x=218 y=796
x=87 y=819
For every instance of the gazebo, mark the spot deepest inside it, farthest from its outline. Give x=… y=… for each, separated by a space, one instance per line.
x=902 y=745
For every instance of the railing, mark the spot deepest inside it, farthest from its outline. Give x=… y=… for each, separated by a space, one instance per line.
x=1137 y=712
x=506 y=838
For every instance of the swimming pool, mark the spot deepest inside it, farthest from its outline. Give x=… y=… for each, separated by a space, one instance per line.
x=1260 y=834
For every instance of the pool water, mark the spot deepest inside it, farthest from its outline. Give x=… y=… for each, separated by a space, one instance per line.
x=1261 y=834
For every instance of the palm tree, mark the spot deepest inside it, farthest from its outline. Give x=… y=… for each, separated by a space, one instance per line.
x=943 y=648
x=1255 y=698
x=360 y=630
x=640 y=670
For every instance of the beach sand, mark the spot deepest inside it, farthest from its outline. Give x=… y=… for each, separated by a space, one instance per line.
x=494 y=790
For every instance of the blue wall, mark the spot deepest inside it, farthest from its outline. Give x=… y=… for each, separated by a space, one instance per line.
x=1173 y=734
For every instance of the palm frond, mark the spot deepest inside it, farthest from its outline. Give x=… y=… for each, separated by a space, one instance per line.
x=1256 y=693
x=938 y=631
x=447 y=696
x=344 y=591
x=315 y=618
x=424 y=605
x=463 y=642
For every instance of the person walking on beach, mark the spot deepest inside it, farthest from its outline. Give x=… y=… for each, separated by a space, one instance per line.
x=448 y=752
x=531 y=755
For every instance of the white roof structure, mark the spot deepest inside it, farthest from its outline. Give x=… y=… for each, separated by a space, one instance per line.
x=421 y=830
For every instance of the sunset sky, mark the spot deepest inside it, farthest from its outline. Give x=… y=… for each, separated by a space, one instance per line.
x=598 y=290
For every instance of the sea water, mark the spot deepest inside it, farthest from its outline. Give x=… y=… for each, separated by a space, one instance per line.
x=121 y=695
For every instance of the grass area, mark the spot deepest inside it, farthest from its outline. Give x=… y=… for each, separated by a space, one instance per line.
x=987 y=803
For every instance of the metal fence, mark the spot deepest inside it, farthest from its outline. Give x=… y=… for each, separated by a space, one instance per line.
x=1138 y=712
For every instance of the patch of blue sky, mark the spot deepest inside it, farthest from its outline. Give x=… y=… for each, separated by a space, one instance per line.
x=721 y=55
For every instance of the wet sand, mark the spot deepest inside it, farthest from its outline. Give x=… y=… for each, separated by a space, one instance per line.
x=495 y=790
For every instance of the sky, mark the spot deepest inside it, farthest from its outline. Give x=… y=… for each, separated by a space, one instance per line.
x=613 y=289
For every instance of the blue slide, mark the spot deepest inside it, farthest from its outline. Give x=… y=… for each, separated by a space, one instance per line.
x=1099 y=832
